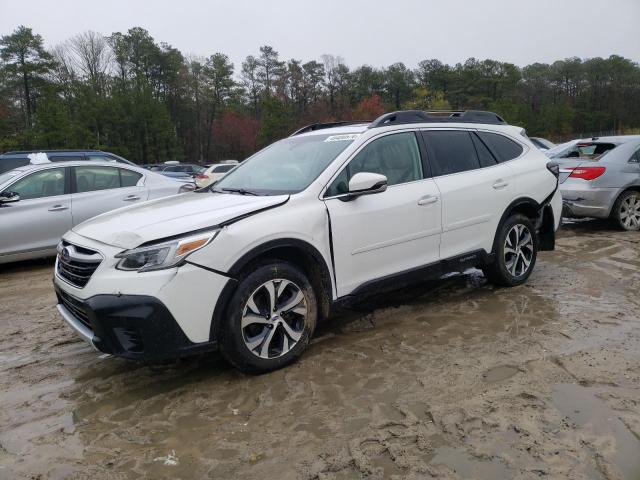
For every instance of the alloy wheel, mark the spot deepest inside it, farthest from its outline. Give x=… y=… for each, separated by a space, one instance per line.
x=630 y=212
x=274 y=318
x=518 y=250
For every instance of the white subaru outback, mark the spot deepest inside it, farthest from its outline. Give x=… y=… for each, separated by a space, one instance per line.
x=329 y=214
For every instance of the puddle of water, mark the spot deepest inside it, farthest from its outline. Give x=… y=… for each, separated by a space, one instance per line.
x=581 y=406
x=467 y=466
x=499 y=373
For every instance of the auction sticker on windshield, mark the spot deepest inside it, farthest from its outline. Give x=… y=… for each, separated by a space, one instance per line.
x=346 y=137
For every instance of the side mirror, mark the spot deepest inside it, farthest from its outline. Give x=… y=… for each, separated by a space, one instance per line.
x=365 y=183
x=9 y=197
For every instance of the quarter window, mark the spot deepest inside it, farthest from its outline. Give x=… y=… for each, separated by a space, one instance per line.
x=129 y=178
x=451 y=151
x=503 y=148
x=395 y=156
x=46 y=183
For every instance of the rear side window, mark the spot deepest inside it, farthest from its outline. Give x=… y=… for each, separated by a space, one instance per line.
x=503 y=148
x=129 y=178
x=450 y=151
x=90 y=179
x=223 y=168
x=7 y=164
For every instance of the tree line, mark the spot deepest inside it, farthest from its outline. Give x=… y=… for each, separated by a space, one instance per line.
x=145 y=100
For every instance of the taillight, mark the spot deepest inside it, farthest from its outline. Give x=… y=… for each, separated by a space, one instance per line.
x=201 y=176
x=587 y=173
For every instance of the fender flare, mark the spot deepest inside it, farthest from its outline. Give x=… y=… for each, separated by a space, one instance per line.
x=255 y=253
x=528 y=201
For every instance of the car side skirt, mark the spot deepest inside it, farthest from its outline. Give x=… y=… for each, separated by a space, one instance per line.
x=431 y=271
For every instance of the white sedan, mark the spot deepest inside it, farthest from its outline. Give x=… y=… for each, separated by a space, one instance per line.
x=39 y=203
x=214 y=173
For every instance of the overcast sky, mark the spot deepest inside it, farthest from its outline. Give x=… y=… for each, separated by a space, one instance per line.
x=373 y=32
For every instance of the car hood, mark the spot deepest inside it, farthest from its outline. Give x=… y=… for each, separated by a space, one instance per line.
x=132 y=226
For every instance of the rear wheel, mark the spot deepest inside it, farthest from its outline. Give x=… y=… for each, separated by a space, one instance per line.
x=515 y=251
x=270 y=319
x=626 y=211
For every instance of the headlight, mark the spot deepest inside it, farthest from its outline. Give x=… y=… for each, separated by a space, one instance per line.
x=163 y=255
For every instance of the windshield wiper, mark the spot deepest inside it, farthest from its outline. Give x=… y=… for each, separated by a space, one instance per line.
x=241 y=191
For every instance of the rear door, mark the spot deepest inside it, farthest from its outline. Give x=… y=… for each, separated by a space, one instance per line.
x=42 y=215
x=99 y=189
x=474 y=187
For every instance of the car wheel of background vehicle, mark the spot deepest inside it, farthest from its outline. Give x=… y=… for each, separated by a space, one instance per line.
x=270 y=318
x=626 y=211
x=515 y=252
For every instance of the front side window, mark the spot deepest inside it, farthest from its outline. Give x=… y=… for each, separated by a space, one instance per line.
x=451 y=151
x=395 y=156
x=286 y=167
x=635 y=158
x=46 y=183
x=90 y=179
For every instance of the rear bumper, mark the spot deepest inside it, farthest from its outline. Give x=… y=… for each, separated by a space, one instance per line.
x=587 y=201
x=137 y=327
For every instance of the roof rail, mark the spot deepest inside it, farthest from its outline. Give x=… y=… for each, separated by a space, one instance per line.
x=48 y=150
x=437 y=116
x=319 y=126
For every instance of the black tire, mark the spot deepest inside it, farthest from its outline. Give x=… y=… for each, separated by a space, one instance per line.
x=625 y=205
x=500 y=271
x=235 y=341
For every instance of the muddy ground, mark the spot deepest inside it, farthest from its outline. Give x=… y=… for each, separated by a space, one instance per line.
x=451 y=379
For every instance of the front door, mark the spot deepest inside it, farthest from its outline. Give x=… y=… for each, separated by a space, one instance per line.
x=386 y=233
x=38 y=220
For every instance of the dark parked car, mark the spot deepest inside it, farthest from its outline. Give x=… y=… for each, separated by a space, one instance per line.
x=11 y=160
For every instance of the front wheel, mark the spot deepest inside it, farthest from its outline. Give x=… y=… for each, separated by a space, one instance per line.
x=270 y=318
x=516 y=249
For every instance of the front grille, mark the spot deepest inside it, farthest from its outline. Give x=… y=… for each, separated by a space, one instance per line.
x=75 y=306
x=77 y=264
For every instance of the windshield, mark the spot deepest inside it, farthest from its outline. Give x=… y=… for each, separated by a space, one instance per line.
x=582 y=150
x=6 y=176
x=542 y=142
x=286 y=167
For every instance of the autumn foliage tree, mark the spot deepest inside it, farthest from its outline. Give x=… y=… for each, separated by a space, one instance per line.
x=369 y=108
x=236 y=135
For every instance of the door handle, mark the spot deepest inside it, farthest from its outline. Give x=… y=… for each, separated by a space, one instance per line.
x=500 y=184
x=131 y=198
x=428 y=199
x=58 y=208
